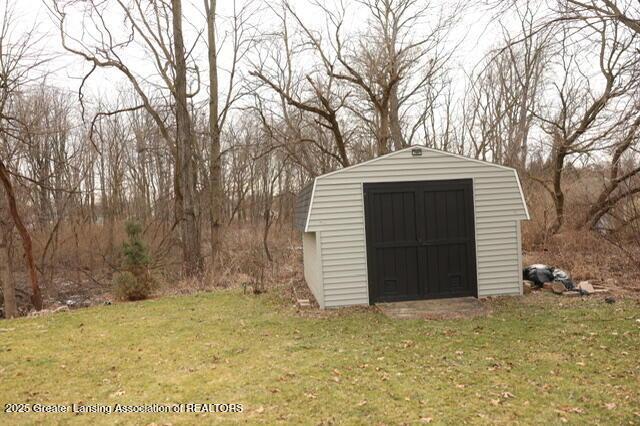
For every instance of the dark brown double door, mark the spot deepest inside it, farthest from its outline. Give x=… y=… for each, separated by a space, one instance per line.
x=420 y=240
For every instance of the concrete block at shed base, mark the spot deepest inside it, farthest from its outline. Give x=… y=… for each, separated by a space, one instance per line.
x=304 y=303
x=586 y=287
x=558 y=288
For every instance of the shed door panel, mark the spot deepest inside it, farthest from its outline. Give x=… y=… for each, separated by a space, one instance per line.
x=396 y=245
x=420 y=240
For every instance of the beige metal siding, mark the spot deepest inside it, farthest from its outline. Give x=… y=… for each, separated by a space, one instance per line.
x=337 y=210
x=313 y=265
x=344 y=265
x=498 y=259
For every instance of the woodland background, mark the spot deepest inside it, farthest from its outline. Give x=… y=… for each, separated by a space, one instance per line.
x=207 y=153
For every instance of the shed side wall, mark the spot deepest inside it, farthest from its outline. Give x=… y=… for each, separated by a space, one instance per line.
x=338 y=211
x=313 y=265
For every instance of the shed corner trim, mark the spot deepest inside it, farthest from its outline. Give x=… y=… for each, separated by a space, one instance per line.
x=524 y=202
x=313 y=194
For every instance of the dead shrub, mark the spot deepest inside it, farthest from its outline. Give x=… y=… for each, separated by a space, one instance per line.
x=587 y=256
x=242 y=263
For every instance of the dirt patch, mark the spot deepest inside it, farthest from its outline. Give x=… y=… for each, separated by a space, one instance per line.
x=462 y=307
x=74 y=292
x=546 y=299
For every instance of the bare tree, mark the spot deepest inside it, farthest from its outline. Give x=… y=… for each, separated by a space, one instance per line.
x=27 y=245
x=621 y=182
x=503 y=98
x=155 y=25
x=241 y=41
x=185 y=143
x=577 y=125
x=6 y=275
x=215 y=171
x=391 y=63
x=20 y=59
x=626 y=12
x=314 y=95
x=372 y=82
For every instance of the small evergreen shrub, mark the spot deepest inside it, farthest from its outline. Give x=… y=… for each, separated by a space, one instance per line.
x=135 y=282
x=135 y=251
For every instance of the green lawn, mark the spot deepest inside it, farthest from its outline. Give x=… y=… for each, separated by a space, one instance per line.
x=528 y=363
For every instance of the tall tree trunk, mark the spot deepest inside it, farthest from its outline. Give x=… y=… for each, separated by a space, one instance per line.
x=36 y=296
x=516 y=150
x=267 y=225
x=394 y=120
x=143 y=203
x=215 y=170
x=91 y=179
x=107 y=216
x=192 y=254
x=6 y=278
x=558 y=195
x=44 y=201
x=383 y=131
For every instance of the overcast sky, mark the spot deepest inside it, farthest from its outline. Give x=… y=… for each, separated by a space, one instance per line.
x=475 y=34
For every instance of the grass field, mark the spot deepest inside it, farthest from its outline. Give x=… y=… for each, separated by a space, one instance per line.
x=529 y=362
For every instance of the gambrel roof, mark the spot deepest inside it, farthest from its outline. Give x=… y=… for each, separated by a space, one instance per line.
x=402 y=165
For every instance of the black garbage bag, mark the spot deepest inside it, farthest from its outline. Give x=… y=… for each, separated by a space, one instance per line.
x=563 y=277
x=539 y=274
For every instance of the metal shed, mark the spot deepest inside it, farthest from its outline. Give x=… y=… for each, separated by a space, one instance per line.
x=418 y=223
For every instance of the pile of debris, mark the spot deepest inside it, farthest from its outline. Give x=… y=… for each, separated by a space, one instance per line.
x=557 y=281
